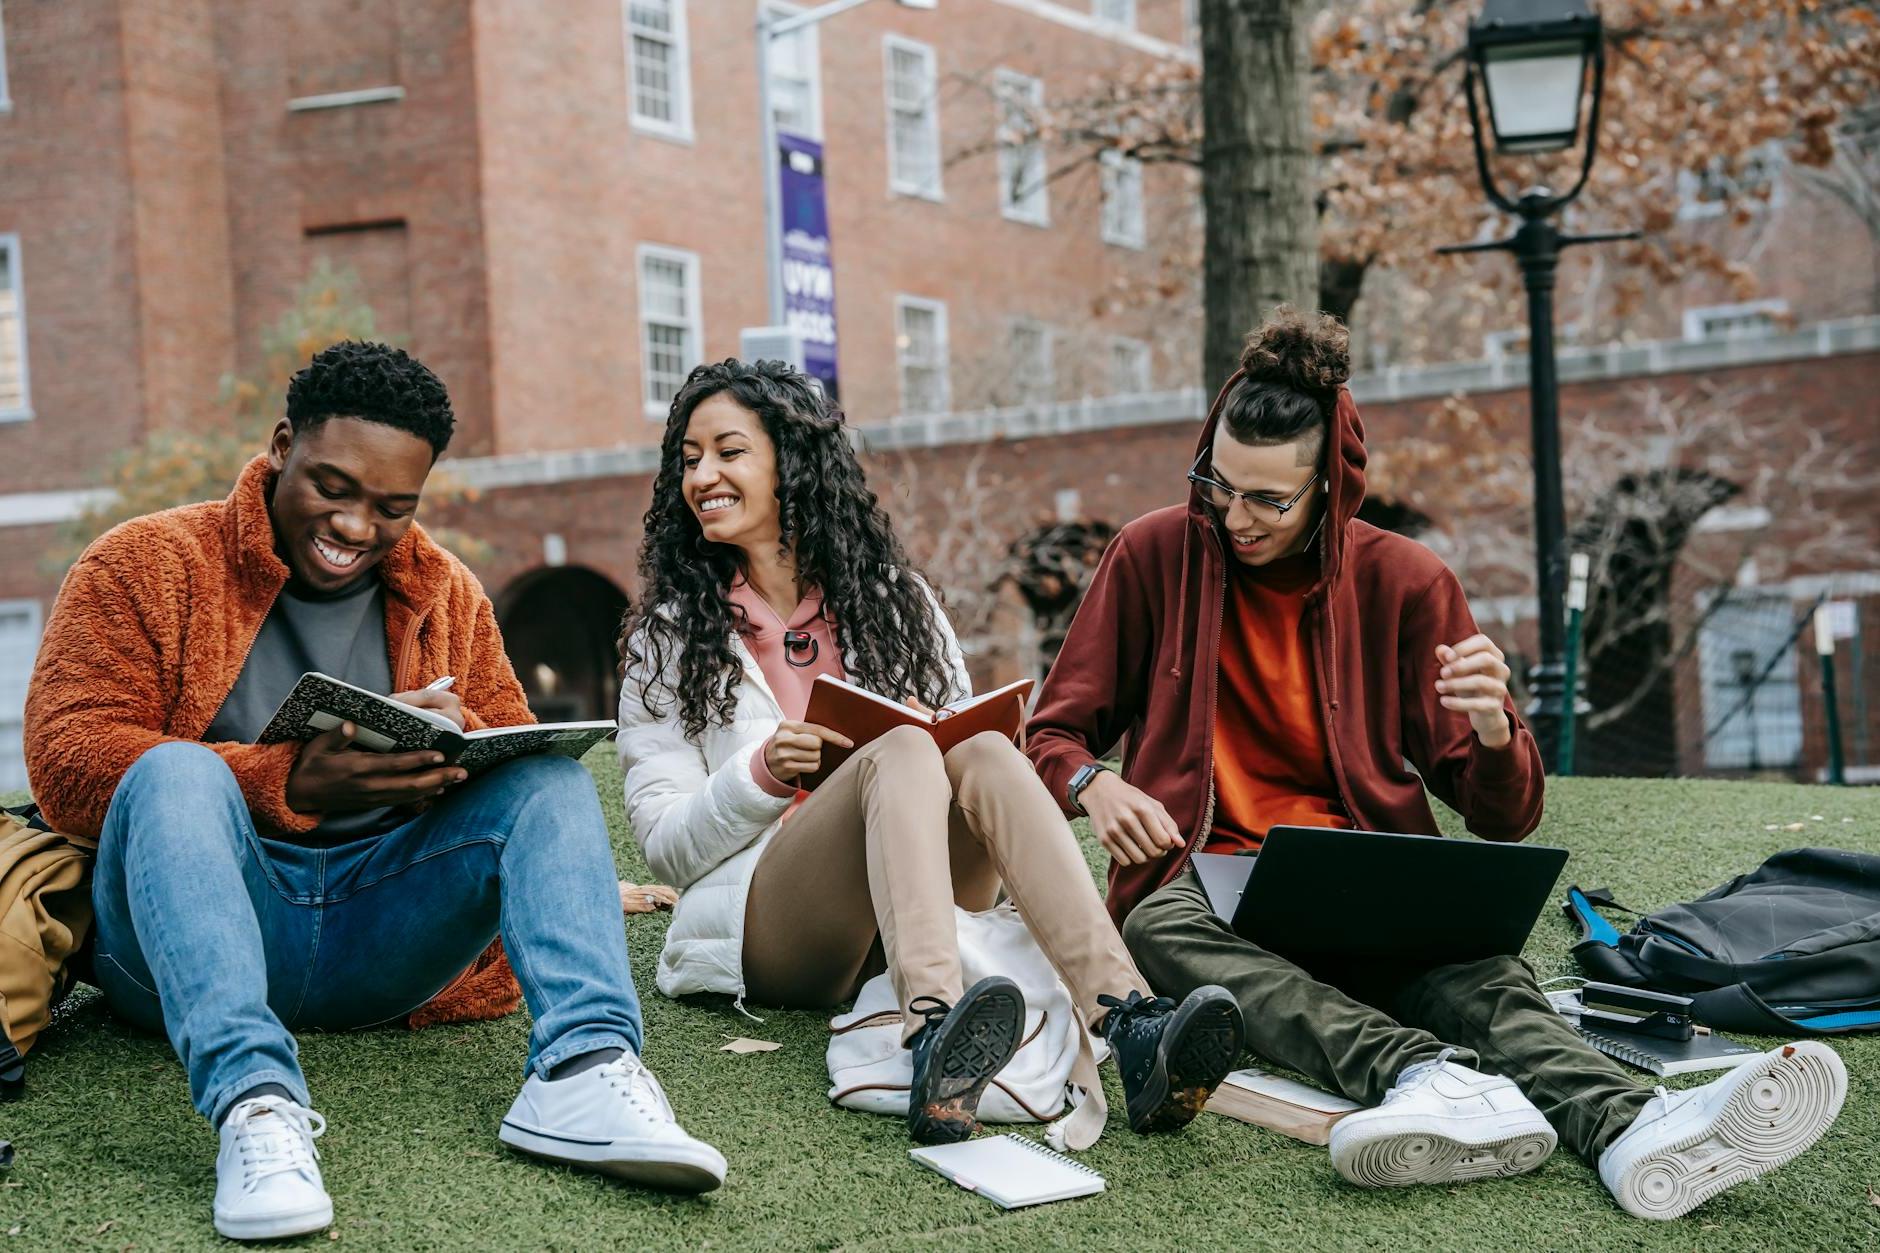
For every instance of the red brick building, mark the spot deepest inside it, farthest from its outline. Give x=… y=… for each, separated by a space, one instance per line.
x=559 y=209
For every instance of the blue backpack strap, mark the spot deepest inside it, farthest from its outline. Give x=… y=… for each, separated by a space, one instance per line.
x=1739 y=1008
x=1594 y=929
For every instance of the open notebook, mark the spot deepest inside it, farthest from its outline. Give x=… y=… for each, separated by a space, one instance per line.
x=1010 y=1170
x=320 y=702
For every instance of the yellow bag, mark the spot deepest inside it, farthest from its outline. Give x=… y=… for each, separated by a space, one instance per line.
x=45 y=916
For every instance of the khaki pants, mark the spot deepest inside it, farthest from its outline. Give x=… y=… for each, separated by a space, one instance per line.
x=1354 y=1028
x=889 y=844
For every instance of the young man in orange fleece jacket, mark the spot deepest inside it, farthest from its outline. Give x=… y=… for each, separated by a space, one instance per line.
x=243 y=890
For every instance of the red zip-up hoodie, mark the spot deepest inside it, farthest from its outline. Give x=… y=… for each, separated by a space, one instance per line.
x=1141 y=666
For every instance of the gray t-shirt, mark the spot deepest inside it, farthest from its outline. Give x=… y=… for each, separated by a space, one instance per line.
x=341 y=634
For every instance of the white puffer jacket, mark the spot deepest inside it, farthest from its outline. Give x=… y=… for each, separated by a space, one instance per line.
x=702 y=821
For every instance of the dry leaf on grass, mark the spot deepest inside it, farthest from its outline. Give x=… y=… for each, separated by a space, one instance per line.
x=742 y=1045
x=1873 y=1198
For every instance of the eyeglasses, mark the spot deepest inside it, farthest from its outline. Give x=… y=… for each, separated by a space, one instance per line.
x=1221 y=496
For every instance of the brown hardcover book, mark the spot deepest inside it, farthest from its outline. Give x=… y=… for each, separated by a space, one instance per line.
x=863 y=716
x=1282 y=1105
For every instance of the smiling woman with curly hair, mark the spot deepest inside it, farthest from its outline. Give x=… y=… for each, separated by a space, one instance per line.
x=767 y=563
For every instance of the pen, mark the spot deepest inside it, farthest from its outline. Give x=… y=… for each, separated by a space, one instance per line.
x=442 y=685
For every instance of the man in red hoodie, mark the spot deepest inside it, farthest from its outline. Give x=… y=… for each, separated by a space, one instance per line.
x=1267 y=659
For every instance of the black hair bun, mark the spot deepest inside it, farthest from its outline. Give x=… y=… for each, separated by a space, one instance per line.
x=1308 y=353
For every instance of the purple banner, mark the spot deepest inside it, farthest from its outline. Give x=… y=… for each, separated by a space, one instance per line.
x=809 y=277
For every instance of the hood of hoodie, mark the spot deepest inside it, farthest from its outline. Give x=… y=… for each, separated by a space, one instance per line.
x=1344 y=469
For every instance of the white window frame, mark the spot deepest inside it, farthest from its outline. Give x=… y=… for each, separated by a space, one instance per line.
x=13 y=715
x=811 y=45
x=6 y=101
x=679 y=126
x=1019 y=199
x=10 y=245
x=1043 y=389
x=902 y=303
x=694 y=324
x=898 y=186
x=1697 y=320
x=1114 y=166
x=1115 y=12
x=1146 y=358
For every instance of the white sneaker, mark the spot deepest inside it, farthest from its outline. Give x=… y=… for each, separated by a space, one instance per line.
x=614 y=1119
x=1688 y=1146
x=267 y=1181
x=1442 y=1123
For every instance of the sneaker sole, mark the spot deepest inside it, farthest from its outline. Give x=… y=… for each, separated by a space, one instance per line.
x=276 y=1226
x=970 y=1050
x=1198 y=1048
x=651 y=1164
x=1398 y=1156
x=1780 y=1106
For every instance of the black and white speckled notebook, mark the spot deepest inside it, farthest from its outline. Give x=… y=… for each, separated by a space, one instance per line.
x=320 y=702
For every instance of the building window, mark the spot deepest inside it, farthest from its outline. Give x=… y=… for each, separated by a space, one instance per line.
x=913 y=119
x=1021 y=152
x=1191 y=23
x=670 y=333
x=658 y=73
x=1130 y=372
x=796 y=78
x=920 y=338
x=19 y=642
x=1122 y=200
x=1122 y=12
x=1033 y=375
x=15 y=396
x=1742 y=321
x=1752 y=700
x=6 y=101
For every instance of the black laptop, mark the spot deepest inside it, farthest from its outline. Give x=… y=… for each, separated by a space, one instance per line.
x=1316 y=892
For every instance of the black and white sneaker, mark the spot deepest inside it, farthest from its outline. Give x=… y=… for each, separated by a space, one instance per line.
x=956 y=1053
x=1171 y=1056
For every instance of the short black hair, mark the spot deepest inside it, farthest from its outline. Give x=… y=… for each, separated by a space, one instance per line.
x=377 y=383
x=1291 y=370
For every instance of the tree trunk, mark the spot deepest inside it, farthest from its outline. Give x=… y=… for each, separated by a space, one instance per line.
x=1262 y=245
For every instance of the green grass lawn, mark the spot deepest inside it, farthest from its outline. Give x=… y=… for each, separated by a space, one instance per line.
x=112 y=1157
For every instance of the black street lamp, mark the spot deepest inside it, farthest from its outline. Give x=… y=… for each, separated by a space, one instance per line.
x=1534 y=58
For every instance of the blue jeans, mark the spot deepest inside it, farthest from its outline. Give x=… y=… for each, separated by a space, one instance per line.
x=228 y=942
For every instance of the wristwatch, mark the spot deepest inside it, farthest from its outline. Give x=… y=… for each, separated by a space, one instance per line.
x=1079 y=782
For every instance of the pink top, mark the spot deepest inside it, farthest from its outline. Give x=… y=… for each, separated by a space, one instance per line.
x=790 y=671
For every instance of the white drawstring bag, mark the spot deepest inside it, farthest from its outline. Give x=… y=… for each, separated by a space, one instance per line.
x=1055 y=1066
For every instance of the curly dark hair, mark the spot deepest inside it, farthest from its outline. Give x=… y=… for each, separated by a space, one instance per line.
x=841 y=538
x=376 y=382
x=1291 y=370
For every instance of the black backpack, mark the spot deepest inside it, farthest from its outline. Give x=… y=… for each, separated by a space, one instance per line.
x=1792 y=946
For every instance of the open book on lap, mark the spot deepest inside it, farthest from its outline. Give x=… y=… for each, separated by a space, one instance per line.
x=320 y=702
x=863 y=716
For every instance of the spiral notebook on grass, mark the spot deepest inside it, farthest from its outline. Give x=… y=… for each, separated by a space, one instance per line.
x=320 y=702
x=1010 y=1170
x=1705 y=1050
x=863 y=716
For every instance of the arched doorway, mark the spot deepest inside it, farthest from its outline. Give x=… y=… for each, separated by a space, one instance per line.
x=559 y=627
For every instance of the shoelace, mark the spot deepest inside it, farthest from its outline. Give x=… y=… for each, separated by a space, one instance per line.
x=1416 y=1075
x=629 y=1076
x=932 y=1008
x=276 y=1138
x=1135 y=1003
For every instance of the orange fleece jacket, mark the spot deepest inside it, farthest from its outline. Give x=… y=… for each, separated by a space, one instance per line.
x=152 y=627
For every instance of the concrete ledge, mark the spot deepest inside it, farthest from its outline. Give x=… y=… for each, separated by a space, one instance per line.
x=342 y=99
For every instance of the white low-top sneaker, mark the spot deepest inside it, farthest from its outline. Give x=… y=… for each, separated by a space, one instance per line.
x=1442 y=1123
x=267 y=1176
x=614 y=1119
x=1688 y=1146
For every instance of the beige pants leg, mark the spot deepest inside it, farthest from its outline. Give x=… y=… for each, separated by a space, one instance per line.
x=867 y=854
x=1008 y=809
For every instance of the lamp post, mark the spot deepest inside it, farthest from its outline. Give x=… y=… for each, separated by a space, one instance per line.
x=1534 y=59
x=771 y=26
